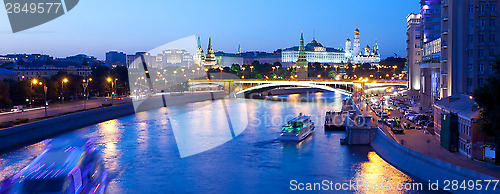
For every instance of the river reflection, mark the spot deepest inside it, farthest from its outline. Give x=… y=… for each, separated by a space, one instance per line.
x=144 y=154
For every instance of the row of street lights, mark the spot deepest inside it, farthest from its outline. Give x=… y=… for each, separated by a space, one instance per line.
x=63 y=81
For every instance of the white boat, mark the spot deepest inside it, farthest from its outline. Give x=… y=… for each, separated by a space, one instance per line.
x=298 y=128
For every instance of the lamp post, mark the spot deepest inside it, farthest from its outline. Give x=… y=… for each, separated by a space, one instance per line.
x=113 y=83
x=220 y=68
x=65 y=80
x=34 y=81
x=251 y=71
x=85 y=84
x=243 y=76
x=45 y=91
x=325 y=70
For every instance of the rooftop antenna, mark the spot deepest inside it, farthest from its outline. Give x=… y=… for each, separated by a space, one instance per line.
x=314 y=34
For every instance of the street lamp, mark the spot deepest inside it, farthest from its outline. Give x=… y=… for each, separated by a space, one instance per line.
x=325 y=70
x=45 y=91
x=251 y=71
x=34 y=81
x=113 y=83
x=64 y=80
x=220 y=68
x=85 y=85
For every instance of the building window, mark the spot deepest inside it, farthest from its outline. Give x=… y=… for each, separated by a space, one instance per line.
x=471 y=9
x=480 y=52
x=470 y=67
x=481 y=38
x=469 y=52
x=481 y=23
x=480 y=81
x=481 y=67
x=469 y=81
x=492 y=52
x=492 y=22
x=471 y=38
x=492 y=38
x=493 y=7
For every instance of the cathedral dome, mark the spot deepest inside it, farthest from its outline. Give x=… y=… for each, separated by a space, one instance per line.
x=313 y=44
x=348 y=40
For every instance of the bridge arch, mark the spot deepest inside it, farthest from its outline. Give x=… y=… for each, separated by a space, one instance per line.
x=292 y=83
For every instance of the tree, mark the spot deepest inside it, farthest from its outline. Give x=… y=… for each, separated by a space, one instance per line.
x=235 y=67
x=5 y=101
x=332 y=74
x=258 y=76
x=486 y=96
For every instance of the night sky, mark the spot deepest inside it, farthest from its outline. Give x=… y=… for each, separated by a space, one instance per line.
x=94 y=27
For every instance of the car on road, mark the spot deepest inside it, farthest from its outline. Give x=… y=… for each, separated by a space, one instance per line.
x=16 y=108
x=422 y=122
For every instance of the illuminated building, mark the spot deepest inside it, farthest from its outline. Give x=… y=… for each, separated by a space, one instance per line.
x=227 y=59
x=316 y=52
x=356 y=50
x=115 y=58
x=414 y=50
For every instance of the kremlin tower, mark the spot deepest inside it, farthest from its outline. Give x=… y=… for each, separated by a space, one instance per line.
x=200 y=56
x=301 y=63
x=210 y=61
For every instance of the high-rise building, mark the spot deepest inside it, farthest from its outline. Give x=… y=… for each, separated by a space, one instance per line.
x=301 y=64
x=468 y=40
x=115 y=58
x=430 y=11
x=414 y=51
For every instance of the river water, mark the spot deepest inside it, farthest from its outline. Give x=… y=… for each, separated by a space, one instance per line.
x=226 y=146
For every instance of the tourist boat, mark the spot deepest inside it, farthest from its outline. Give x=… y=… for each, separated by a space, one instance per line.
x=298 y=128
x=65 y=166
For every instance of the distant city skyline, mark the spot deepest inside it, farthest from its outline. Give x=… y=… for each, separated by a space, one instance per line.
x=94 y=29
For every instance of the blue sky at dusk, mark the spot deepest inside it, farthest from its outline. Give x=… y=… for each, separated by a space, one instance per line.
x=94 y=27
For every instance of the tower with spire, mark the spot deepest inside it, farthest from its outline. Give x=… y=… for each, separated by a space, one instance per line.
x=200 y=56
x=239 y=48
x=356 y=44
x=301 y=63
x=210 y=61
x=375 y=50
